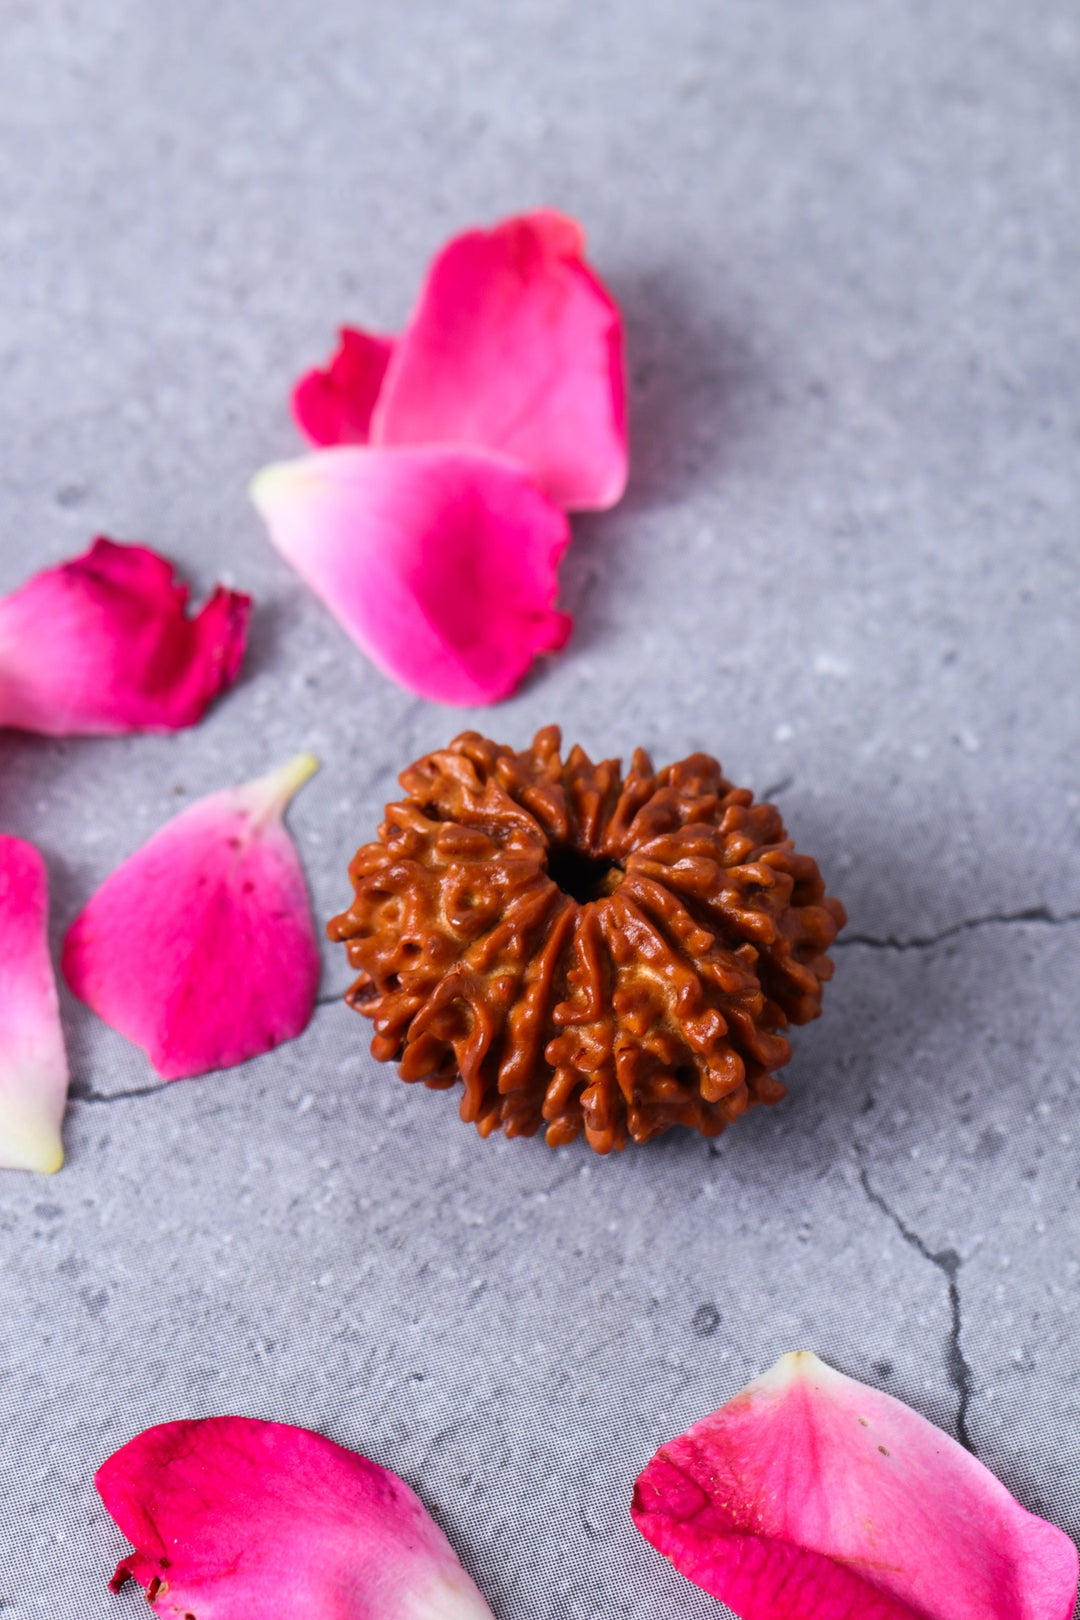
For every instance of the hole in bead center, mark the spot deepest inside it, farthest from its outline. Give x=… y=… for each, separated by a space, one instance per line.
x=582 y=877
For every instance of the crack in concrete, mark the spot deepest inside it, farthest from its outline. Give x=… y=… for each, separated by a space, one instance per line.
x=91 y=1096
x=948 y=1262
x=922 y=942
x=116 y=1096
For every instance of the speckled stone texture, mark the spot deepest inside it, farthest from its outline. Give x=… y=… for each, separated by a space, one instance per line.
x=846 y=241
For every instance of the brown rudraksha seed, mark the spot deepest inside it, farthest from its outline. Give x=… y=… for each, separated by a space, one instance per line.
x=584 y=951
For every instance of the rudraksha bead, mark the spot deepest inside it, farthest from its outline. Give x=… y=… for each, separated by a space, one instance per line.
x=584 y=951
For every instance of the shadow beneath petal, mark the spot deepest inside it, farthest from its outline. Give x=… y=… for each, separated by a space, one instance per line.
x=696 y=383
x=271 y=620
x=697 y=386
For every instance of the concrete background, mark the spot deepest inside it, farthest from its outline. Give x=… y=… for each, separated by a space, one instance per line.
x=847 y=245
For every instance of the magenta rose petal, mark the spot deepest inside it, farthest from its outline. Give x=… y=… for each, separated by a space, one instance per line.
x=812 y=1497
x=516 y=346
x=235 y=1519
x=332 y=404
x=33 y=1063
x=104 y=644
x=201 y=947
x=439 y=562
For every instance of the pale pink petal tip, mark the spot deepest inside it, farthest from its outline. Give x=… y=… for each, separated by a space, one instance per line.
x=333 y=403
x=201 y=948
x=232 y=1518
x=440 y=563
x=812 y=1497
x=104 y=644
x=33 y=1063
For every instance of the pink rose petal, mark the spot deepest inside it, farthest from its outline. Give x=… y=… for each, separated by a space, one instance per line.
x=103 y=644
x=333 y=404
x=233 y=1519
x=515 y=345
x=33 y=1064
x=811 y=1497
x=440 y=563
x=201 y=948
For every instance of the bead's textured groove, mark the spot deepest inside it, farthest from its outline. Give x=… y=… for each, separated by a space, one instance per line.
x=649 y=990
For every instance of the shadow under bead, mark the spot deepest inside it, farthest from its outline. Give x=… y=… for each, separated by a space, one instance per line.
x=584 y=951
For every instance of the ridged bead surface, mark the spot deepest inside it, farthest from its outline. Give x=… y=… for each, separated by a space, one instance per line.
x=583 y=951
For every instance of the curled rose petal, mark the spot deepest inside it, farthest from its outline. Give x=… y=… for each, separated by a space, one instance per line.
x=200 y=948
x=33 y=1064
x=811 y=1497
x=103 y=644
x=514 y=346
x=234 y=1519
x=333 y=403
x=440 y=563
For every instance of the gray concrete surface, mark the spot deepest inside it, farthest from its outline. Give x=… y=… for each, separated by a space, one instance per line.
x=846 y=241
